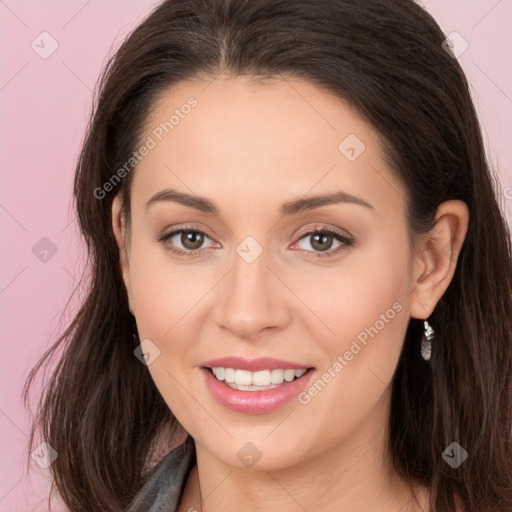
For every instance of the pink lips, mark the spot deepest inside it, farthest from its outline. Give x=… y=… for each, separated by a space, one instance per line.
x=253 y=365
x=254 y=402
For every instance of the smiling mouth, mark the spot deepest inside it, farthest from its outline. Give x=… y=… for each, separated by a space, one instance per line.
x=244 y=380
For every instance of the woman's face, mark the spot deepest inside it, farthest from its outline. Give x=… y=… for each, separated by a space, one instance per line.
x=251 y=279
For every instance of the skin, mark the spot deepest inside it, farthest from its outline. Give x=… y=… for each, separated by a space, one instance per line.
x=248 y=147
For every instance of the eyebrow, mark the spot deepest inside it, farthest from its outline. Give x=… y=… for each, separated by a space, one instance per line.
x=286 y=209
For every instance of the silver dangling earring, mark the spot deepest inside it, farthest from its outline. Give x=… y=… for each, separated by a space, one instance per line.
x=426 y=341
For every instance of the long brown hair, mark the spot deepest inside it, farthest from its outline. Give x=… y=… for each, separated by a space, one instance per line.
x=101 y=411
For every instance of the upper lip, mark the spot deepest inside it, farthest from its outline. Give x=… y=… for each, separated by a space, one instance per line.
x=253 y=365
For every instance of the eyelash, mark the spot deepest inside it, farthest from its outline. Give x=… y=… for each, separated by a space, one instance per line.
x=345 y=241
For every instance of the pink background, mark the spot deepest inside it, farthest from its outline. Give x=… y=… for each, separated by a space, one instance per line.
x=45 y=104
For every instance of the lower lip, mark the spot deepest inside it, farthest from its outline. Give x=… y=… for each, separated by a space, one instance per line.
x=255 y=402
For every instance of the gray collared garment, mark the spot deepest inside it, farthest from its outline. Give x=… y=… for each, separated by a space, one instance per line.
x=166 y=481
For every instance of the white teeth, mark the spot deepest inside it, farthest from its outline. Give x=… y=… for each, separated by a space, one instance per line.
x=289 y=375
x=276 y=376
x=229 y=374
x=261 y=378
x=244 y=379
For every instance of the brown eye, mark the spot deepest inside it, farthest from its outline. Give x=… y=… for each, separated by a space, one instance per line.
x=185 y=241
x=192 y=240
x=321 y=242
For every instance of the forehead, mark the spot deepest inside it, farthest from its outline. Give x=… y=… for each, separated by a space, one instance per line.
x=265 y=140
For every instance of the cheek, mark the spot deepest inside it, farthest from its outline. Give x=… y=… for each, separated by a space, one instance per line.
x=164 y=299
x=367 y=313
x=162 y=292
x=370 y=306
x=171 y=304
x=364 y=306
x=362 y=298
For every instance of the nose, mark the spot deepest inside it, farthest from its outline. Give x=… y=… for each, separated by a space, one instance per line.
x=251 y=300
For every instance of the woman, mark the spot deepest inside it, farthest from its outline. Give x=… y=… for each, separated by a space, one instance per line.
x=301 y=287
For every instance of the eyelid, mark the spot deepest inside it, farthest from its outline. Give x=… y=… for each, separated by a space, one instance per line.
x=168 y=234
x=319 y=227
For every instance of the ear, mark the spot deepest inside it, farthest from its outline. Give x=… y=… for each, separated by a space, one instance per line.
x=119 y=228
x=436 y=257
